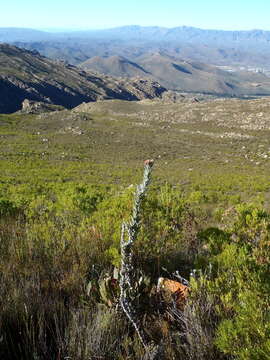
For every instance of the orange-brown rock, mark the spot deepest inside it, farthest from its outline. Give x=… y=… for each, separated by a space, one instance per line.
x=173 y=292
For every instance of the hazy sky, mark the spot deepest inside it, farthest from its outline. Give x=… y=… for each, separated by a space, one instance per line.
x=89 y=14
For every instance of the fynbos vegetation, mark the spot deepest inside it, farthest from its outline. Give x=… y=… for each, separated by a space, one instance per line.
x=60 y=285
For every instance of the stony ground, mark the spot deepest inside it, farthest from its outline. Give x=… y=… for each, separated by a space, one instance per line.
x=214 y=144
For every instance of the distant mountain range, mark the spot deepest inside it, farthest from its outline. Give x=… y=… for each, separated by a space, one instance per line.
x=28 y=75
x=217 y=47
x=183 y=34
x=153 y=33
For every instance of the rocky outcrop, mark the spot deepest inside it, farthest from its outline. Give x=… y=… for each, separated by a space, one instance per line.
x=37 y=107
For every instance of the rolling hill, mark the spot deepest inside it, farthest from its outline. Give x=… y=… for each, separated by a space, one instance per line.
x=115 y=66
x=181 y=75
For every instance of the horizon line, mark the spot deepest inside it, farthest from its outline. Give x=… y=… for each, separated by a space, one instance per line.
x=78 y=29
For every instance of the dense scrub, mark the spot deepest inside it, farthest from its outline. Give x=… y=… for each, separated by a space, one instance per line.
x=60 y=250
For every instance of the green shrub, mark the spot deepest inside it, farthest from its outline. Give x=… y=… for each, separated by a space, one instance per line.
x=240 y=283
x=8 y=208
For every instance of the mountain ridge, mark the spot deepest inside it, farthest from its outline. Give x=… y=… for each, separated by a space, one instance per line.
x=187 y=32
x=26 y=74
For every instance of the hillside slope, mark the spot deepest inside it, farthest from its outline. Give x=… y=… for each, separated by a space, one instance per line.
x=26 y=74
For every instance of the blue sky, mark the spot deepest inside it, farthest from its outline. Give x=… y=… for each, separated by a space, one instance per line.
x=91 y=14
